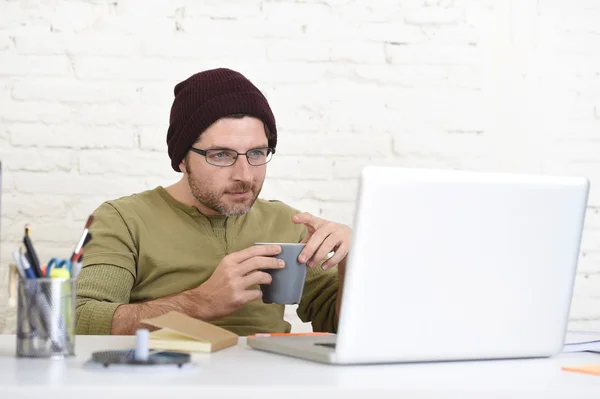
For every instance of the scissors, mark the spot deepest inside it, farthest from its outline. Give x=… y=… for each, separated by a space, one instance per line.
x=58 y=268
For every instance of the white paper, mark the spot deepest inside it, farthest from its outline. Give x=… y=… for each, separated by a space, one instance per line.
x=581 y=341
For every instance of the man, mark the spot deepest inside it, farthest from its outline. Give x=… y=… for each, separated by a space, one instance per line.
x=189 y=247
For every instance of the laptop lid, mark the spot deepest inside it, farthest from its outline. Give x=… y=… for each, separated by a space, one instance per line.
x=460 y=265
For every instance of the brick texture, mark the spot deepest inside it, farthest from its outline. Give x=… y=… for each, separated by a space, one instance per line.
x=86 y=86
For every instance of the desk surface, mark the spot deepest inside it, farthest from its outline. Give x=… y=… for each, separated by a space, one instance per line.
x=241 y=372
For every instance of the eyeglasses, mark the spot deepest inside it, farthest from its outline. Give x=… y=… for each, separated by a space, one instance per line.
x=225 y=157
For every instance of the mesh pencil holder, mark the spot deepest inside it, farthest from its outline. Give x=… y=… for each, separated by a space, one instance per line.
x=46 y=317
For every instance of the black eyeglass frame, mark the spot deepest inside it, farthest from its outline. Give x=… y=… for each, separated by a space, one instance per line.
x=270 y=151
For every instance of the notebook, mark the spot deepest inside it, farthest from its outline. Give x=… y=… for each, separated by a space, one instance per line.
x=582 y=341
x=181 y=333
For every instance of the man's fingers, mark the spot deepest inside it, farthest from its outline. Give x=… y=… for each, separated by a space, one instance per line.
x=254 y=251
x=251 y=295
x=260 y=262
x=307 y=219
x=340 y=254
x=314 y=242
x=302 y=217
x=257 y=278
x=330 y=243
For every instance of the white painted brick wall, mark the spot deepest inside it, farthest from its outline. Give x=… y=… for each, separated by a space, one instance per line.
x=86 y=87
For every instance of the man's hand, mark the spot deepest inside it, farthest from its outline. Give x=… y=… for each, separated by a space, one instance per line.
x=323 y=237
x=227 y=289
x=223 y=293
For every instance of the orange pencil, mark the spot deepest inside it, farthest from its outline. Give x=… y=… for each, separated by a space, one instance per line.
x=308 y=334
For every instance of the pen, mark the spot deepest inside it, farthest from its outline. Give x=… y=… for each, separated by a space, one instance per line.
x=31 y=255
x=29 y=272
x=19 y=265
x=23 y=266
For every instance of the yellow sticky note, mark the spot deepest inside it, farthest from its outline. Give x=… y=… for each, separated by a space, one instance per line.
x=593 y=369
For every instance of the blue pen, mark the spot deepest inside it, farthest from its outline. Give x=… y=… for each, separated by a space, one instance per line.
x=27 y=267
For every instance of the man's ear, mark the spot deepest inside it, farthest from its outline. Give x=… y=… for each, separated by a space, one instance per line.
x=182 y=166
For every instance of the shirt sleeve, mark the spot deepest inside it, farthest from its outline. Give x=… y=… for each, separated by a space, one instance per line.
x=101 y=289
x=108 y=273
x=318 y=304
x=112 y=241
x=319 y=298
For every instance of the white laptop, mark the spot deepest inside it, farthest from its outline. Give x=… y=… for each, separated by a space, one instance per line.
x=453 y=265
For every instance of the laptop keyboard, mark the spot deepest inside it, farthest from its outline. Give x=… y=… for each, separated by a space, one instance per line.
x=328 y=345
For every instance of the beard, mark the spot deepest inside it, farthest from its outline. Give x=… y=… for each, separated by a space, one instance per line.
x=213 y=199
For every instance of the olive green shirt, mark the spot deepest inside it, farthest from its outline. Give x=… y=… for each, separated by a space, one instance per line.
x=148 y=245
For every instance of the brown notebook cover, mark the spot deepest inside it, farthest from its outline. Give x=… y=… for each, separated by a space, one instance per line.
x=179 y=332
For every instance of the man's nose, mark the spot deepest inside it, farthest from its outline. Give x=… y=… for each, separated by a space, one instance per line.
x=242 y=169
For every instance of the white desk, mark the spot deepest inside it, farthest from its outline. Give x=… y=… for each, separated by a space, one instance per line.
x=241 y=372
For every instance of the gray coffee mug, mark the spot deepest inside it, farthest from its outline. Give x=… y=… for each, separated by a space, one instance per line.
x=288 y=283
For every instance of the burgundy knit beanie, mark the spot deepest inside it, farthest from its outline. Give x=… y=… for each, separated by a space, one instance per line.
x=207 y=96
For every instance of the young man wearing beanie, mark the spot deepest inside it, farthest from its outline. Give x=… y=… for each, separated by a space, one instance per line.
x=189 y=247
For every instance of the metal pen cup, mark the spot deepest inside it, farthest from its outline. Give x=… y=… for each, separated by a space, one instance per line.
x=46 y=317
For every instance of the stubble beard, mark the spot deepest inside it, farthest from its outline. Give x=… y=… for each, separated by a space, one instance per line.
x=214 y=200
